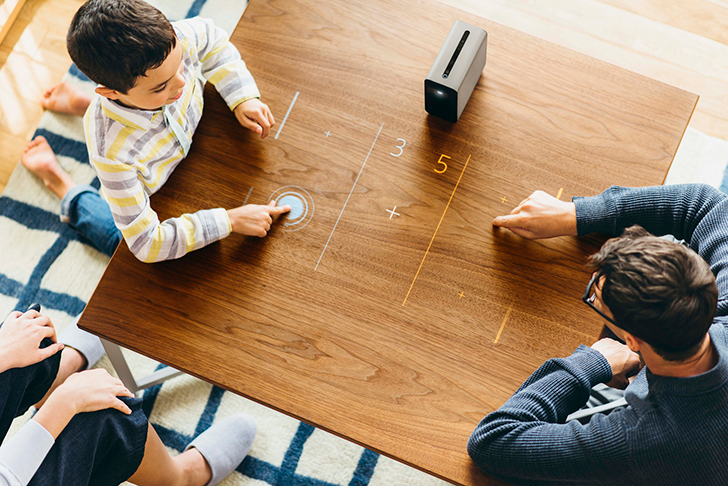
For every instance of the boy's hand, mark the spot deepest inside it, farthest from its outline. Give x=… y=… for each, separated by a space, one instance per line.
x=255 y=115
x=255 y=219
x=540 y=216
x=20 y=339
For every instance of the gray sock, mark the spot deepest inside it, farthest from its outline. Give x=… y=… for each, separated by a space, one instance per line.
x=225 y=445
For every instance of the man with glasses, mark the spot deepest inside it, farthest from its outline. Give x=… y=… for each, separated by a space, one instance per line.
x=667 y=303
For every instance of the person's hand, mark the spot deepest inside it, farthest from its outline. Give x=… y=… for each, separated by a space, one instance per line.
x=255 y=219
x=86 y=391
x=540 y=216
x=92 y=390
x=624 y=362
x=255 y=115
x=20 y=339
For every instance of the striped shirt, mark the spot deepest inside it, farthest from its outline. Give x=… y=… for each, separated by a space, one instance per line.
x=134 y=151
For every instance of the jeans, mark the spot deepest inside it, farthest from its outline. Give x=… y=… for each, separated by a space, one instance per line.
x=84 y=210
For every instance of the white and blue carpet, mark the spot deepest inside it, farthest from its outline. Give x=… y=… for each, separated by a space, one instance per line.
x=45 y=261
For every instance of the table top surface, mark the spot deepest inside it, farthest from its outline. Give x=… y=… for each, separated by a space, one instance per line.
x=387 y=309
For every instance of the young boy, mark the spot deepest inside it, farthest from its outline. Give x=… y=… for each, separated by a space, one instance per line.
x=139 y=127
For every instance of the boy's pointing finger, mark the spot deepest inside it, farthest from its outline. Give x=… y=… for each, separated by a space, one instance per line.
x=280 y=210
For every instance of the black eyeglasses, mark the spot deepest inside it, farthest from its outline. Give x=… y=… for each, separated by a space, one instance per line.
x=589 y=298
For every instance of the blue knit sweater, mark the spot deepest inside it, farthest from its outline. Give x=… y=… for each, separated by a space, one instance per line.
x=674 y=431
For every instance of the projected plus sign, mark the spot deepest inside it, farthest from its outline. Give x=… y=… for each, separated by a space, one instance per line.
x=504 y=199
x=328 y=134
x=461 y=294
x=392 y=212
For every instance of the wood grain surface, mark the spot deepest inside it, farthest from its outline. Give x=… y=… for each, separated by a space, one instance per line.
x=396 y=331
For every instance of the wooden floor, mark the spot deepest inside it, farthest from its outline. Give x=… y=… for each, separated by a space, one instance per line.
x=680 y=43
x=33 y=57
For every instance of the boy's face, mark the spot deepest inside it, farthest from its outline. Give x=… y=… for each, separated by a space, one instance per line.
x=158 y=87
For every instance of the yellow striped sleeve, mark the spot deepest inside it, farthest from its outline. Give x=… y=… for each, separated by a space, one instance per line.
x=157 y=243
x=116 y=168
x=188 y=227
x=140 y=225
x=127 y=202
x=220 y=73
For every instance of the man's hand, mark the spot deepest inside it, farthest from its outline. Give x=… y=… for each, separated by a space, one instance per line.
x=255 y=115
x=540 y=216
x=87 y=391
x=254 y=219
x=20 y=338
x=624 y=361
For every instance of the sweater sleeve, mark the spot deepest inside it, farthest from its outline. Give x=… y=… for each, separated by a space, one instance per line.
x=675 y=210
x=22 y=455
x=696 y=213
x=526 y=440
x=221 y=62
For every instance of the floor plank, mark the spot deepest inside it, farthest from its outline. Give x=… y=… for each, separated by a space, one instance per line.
x=702 y=17
x=9 y=10
x=33 y=57
x=628 y=40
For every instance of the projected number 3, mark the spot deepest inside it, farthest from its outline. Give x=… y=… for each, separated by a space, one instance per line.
x=400 y=147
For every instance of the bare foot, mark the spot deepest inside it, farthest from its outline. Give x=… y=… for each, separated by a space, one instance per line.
x=38 y=157
x=66 y=98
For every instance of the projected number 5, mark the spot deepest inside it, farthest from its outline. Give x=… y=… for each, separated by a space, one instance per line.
x=444 y=165
x=400 y=147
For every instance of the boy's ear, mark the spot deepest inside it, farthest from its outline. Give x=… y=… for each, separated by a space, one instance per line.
x=109 y=93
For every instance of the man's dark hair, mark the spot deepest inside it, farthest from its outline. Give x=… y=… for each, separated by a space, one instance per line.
x=113 y=42
x=657 y=290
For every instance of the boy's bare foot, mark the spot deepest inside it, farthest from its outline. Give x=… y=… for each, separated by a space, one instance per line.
x=39 y=158
x=66 y=98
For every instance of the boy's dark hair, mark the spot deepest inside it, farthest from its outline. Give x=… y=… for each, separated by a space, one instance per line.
x=113 y=42
x=657 y=290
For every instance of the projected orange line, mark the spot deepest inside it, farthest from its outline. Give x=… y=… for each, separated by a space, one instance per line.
x=436 y=230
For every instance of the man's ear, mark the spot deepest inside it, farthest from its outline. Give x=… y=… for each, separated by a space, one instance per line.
x=109 y=93
x=633 y=343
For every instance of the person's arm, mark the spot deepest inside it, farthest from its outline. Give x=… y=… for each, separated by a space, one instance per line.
x=22 y=455
x=220 y=61
x=20 y=338
x=526 y=440
x=661 y=210
x=148 y=238
x=86 y=391
x=676 y=210
x=697 y=213
x=222 y=66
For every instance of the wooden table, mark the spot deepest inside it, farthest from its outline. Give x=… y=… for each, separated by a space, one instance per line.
x=389 y=311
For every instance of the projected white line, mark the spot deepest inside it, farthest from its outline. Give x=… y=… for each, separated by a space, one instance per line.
x=280 y=129
x=347 y=199
x=250 y=191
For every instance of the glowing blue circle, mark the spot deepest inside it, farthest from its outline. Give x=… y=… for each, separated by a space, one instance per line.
x=297 y=207
x=301 y=203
